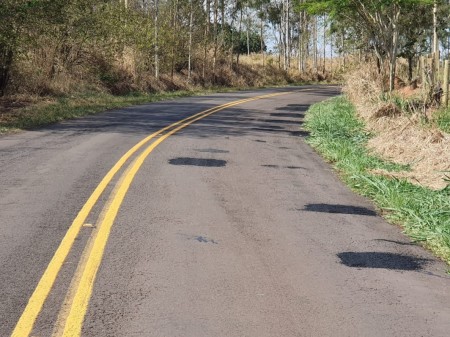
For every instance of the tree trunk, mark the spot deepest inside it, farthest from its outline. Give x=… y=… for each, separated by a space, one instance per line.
x=393 y=52
x=174 y=40
x=410 y=68
x=300 y=37
x=288 y=48
x=207 y=22
x=216 y=9
x=343 y=49
x=324 y=45
x=331 y=55
x=305 y=41
x=239 y=34
x=315 y=44
x=248 y=34
x=190 y=40
x=435 y=36
x=6 y=58
x=236 y=3
x=285 y=29
x=435 y=40
x=262 y=41
x=222 y=25
x=156 y=41
x=280 y=47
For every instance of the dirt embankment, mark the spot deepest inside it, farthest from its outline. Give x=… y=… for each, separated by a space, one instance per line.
x=399 y=136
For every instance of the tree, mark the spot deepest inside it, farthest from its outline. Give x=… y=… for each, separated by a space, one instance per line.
x=15 y=16
x=379 y=21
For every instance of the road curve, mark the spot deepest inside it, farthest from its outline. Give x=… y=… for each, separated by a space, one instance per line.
x=223 y=224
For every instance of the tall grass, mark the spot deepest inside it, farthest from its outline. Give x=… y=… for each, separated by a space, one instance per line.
x=340 y=137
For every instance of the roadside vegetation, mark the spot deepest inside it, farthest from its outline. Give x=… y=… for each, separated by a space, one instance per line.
x=55 y=55
x=43 y=112
x=388 y=135
x=342 y=138
x=443 y=120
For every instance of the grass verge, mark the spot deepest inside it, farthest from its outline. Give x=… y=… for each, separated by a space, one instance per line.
x=340 y=137
x=443 y=120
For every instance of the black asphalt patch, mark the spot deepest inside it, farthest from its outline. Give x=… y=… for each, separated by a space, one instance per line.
x=381 y=260
x=342 y=209
x=188 y=161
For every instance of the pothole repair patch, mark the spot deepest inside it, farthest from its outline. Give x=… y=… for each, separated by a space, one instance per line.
x=188 y=161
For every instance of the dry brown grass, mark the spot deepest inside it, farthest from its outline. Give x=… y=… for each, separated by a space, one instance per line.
x=41 y=80
x=400 y=136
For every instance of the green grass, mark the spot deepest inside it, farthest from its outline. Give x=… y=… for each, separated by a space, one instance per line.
x=443 y=120
x=340 y=137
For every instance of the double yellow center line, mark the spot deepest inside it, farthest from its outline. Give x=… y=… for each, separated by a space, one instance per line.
x=72 y=319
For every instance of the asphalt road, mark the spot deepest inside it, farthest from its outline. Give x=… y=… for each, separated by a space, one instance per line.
x=232 y=226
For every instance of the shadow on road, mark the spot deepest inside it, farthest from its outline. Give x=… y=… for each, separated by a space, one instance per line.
x=236 y=121
x=381 y=260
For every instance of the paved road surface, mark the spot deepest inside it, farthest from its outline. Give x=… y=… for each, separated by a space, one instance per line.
x=232 y=226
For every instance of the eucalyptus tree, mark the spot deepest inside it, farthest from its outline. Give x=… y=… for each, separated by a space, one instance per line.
x=261 y=7
x=379 y=21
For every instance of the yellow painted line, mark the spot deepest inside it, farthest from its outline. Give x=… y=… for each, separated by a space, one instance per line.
x=34 y=306
x=83 y=293
x=65 y=307
x=26 y=321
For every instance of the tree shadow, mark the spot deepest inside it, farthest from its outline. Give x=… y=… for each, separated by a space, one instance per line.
x=294 y=108
x=287 y=114
x=236 y=121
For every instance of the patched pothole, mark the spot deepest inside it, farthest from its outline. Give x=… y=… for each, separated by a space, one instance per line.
x=189 y=161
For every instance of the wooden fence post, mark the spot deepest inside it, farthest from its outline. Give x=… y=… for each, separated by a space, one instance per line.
x=423 y=72
x=445 y=85
x=437 y=64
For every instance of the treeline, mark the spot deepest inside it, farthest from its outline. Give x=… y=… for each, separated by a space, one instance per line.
x=129 y=44
x=42 y=39
x=388 y=30
x=48 y=46
x=132 y=44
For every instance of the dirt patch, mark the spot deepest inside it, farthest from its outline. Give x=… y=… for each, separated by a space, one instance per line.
x=387 y=110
